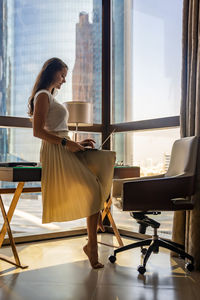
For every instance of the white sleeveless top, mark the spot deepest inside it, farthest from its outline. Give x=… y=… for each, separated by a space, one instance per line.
x=57 y=116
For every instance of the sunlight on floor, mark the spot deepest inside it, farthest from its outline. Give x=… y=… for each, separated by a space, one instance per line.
x=58 y=269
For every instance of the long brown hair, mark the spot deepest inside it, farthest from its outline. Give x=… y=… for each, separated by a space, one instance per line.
x=45 y=78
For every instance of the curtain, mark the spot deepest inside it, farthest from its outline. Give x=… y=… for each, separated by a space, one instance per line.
x=186 y=225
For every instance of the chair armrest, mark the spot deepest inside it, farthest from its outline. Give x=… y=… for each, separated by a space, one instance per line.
x=118 y=183
x=155 y=193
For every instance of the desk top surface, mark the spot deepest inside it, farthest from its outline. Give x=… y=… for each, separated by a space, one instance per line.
x=29 y=171
x=19 y=164
x=14 y=172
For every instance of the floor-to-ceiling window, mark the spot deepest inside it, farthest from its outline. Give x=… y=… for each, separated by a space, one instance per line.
x=146 y=85
x=33 y=31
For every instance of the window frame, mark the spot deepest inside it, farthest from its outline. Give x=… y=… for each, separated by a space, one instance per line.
x=105 y=128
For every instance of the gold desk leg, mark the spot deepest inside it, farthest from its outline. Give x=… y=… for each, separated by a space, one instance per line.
x=107 y=212
x=6 y=227
x=11 y=210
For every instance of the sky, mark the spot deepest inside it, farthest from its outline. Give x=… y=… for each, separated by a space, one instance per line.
x=156 y=53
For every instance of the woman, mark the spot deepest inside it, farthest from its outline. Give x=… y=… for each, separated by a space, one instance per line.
x=72 y=187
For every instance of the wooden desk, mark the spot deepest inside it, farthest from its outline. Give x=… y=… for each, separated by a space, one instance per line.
x=126 y=172
x=21 y=175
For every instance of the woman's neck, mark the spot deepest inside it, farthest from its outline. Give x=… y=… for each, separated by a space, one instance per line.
x=50 y=89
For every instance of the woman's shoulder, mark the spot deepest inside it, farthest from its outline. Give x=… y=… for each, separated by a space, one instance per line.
x=43 y=92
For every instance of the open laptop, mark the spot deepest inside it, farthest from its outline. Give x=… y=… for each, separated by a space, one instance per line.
x=100 y=147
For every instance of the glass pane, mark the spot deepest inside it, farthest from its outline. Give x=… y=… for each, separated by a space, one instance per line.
x=150 y=150
x=22 y=146
x=146 y=67
x=70 y=30
x=19 y=145
x=27 y=218
x=124 y=221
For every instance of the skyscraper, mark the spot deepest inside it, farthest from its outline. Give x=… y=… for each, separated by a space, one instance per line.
x=122 y=76
x=82 y=75
x=97 y=59
x=87 y=71
x=86 y=78
x=3 y=76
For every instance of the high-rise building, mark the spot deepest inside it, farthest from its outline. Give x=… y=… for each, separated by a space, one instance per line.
x=3 y=57
x=122 y=76
x=82 y=75
x=97 y=59
x=3 y=76
x=86 y=75
x=86 y=78
x=166 y=161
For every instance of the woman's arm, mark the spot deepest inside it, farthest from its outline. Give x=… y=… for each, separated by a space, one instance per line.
x=40 y=114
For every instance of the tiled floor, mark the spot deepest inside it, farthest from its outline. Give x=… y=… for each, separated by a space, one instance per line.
x=59 y=270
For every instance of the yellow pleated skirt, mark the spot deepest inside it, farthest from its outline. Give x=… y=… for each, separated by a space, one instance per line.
x=74 y=185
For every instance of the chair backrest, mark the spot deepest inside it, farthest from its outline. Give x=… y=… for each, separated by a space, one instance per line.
x=183 y=157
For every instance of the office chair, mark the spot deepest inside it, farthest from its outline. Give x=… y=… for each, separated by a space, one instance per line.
x=166 y=192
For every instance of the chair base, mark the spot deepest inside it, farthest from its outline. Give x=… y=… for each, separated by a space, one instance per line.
x=154 y=244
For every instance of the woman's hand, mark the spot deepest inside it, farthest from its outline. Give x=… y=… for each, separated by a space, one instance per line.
x=74 y=147
x=88 y=143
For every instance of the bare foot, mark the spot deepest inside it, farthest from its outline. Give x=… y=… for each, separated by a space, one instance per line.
x=100 y=223
x=93 y=257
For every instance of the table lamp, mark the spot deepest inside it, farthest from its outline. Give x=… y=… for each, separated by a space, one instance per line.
x=80 y=114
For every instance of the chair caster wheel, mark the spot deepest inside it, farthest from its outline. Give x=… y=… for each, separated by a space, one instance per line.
x=189 y=267
x=112 y=259
x=144 y=251
x=141 y=270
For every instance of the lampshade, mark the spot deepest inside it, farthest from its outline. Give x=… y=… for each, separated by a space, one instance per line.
x=80 y=113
